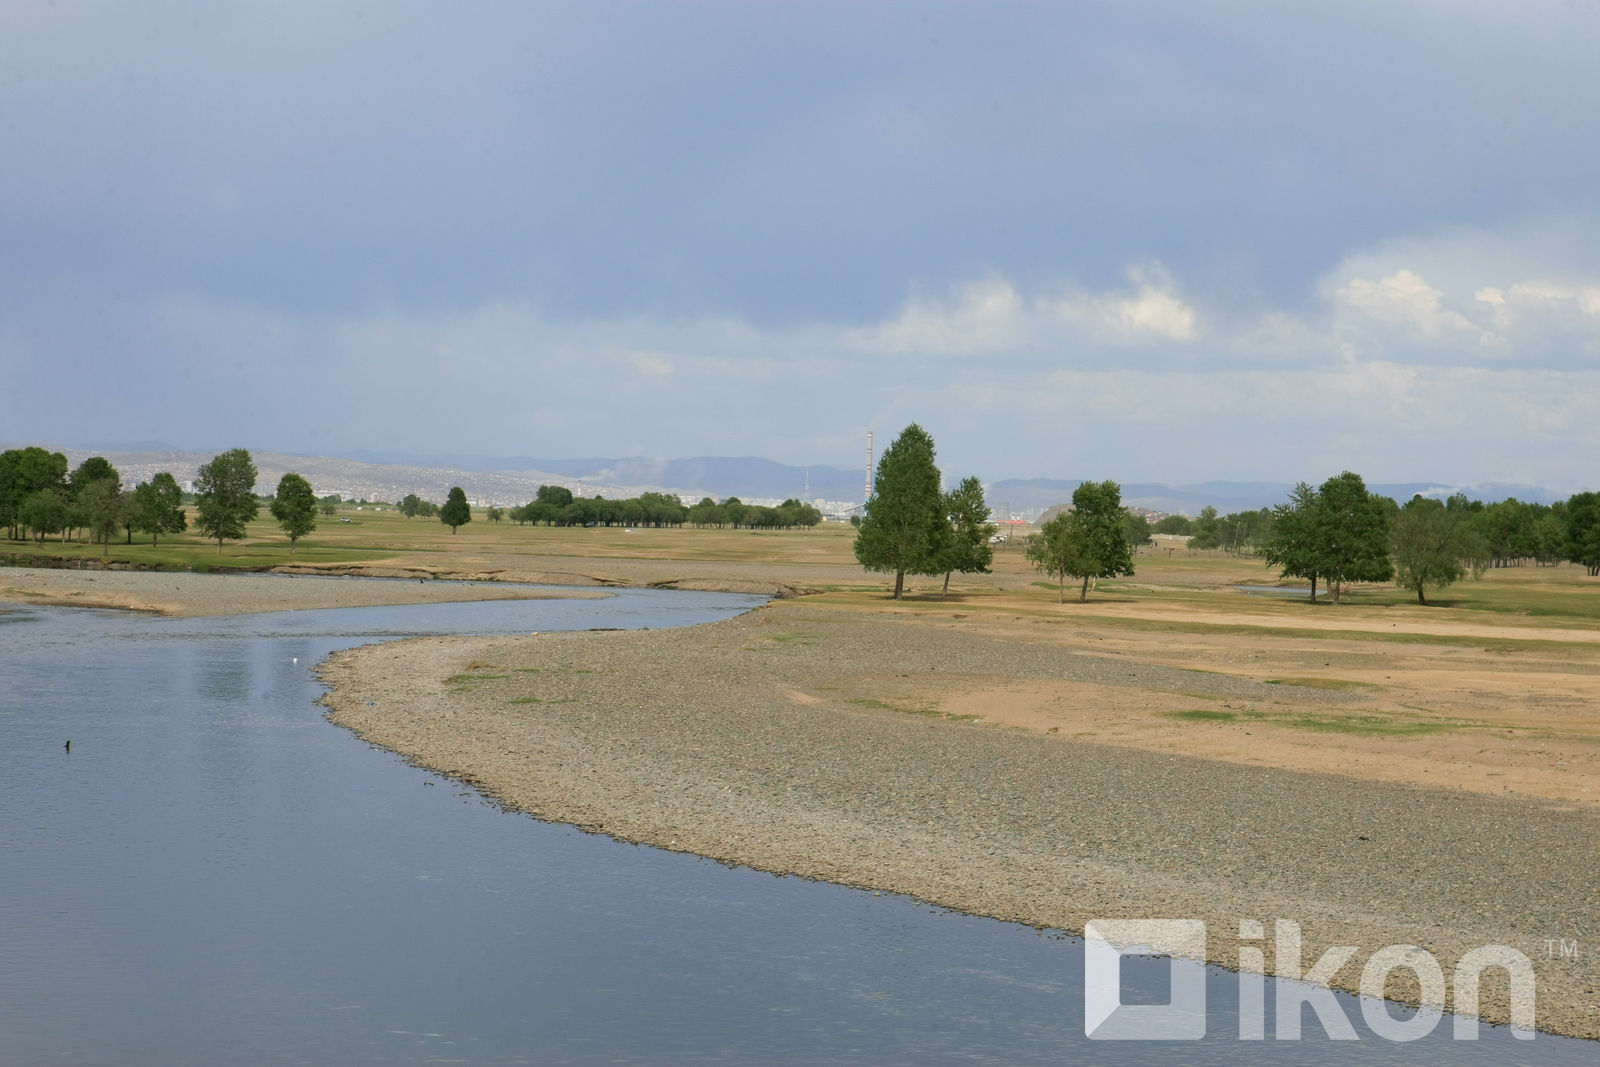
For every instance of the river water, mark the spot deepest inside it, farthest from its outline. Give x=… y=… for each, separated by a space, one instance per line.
x=215 y=874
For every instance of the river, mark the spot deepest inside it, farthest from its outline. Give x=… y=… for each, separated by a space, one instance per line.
x=215 y=874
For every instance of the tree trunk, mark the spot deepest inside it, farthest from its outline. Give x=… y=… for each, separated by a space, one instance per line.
x=1313 y=588
x=1337 y=587
x=1420 y=598
x=219 y=546
x=1083 y=594
x=1061 y=589
x=946 y=591
x=105 y=547
x=899 y=583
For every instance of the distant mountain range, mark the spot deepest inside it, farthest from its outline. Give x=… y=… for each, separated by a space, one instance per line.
x=510 y=480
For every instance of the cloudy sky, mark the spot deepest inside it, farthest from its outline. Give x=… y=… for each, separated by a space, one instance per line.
x=1148 y=241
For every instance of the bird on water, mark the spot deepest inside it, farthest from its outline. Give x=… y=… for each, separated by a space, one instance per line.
x=69 y=744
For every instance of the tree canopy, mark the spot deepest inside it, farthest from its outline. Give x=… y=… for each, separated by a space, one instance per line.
x=1434 y=545
x=456 y=511
x=968 y=549
x=157 y=507
x=904 y=528
x=295 y=507
x=225 y=496
x=1087 y=542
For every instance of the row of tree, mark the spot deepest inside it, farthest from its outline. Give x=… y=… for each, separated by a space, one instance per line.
x=556 y=506
x=1340 y=532
x=1513 y=532
x=39 y=497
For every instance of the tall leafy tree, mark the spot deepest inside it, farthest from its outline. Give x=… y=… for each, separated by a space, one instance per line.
x=1293 y=546
x=968 y=549
x=1205 y=531
x=23 y=472
x=92 y=470
x=100 y=501
x=903 y=528
x=157 y=507
x=1435 y=546
x=295 y=507
x=410 y=505
x=1583 y=531
x=1087 y=542
x=558 y=496
x=225 y=496
x=1352 y=533
x=456 y=511
x=44 y=511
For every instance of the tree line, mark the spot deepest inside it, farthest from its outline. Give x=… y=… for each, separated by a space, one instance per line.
x=1514 y=533
x=39 y=497
x=555 y=505
x=1340 y=532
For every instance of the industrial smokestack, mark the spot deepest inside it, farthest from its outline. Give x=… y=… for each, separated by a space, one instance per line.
x=866 y=493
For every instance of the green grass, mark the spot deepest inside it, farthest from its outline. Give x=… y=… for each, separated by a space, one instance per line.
x=926 y=712
x=463 y=679
x=1203 y=715
x=1363 y=724
x=1324 y=683
x=527 y=700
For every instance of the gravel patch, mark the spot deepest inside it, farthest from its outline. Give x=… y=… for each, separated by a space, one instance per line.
x=744 y=741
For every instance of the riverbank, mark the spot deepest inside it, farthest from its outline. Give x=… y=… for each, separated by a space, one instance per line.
x=184 y=594
x=793 y=740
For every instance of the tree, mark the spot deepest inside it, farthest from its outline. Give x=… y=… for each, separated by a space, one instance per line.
x=904 y=527
x=1172 y=524
x=496 y=514
x=101 y=501
x=44 y=512
x=225 y=496
x=156 y=507
x=411 y=505
x=968 y=549
x=94 y=469
x=456 y=511
x=295 y=507
x=1135 y=528
x=1352 y=533
x=1434 y=546
x=1583 y=531
x=329 y=505
x=1086 y=542
x=555 y=495
x=23 y=472
x=1292 y=545
x=1204 y=532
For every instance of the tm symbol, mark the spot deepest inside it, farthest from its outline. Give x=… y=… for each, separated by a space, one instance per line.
x=1560 y=947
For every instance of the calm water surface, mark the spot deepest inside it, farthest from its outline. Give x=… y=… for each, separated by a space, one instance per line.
x=215 y=874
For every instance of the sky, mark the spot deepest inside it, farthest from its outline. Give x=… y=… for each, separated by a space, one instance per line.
x=1144 y=241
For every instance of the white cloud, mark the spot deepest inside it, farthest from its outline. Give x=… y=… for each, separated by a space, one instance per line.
x=992 y=316
x=1406 y=302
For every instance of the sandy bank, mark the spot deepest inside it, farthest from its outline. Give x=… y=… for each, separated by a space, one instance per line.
x=178 y=593
x=768 y=741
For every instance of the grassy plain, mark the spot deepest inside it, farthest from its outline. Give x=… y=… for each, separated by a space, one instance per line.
x=1494 y=687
